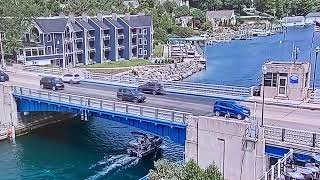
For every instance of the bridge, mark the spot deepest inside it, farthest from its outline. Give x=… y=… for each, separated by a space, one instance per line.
x=170 y=115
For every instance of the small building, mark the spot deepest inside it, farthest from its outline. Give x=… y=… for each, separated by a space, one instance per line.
x=222 y=17
x=286 y=80
x=183 y=21
x=293 y=21
x=311 y=18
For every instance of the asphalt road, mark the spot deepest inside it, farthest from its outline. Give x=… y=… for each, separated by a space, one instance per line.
x=282 y=116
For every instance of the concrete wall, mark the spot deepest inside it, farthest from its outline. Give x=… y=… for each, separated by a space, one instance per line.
x=8 y=106
x=211 y=139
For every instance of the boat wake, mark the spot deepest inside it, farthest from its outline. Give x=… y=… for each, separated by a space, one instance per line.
x=111 y=165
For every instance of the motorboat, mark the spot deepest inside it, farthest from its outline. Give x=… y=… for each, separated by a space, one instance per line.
x=143 y=145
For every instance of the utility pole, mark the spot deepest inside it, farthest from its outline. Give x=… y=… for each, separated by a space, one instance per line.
x=1 y=49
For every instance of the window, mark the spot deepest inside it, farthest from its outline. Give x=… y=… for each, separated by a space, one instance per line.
x=49 y=50
x=140 y=51
x=34 y=52
x=20 y=52
x=41 y=52
x=49 y=38
x=57 y=50
x=140 y=31
x=145 y=31
x=145 y=41
x=145 y=52
x=140 y=41
x=28 y=52
x=270 y=79
x=306 y=80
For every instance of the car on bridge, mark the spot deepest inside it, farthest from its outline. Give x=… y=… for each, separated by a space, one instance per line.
x=71 y=78
x=231 y=109
x=3 y=77
x=53 y=83
x=127 y=94
x=152 y=87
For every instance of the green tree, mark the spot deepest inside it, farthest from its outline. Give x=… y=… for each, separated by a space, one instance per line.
x=182 y=11
x=170 y=6
x=165 y=169
x=198 y=14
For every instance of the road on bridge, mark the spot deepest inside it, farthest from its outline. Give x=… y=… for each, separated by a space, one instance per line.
x=275 y=115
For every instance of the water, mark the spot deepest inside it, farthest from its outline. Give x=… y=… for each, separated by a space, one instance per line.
x=239 y=63
x=77 y=150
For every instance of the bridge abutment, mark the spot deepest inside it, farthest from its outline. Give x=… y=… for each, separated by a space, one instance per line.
x=225 y=143
x=8 y=106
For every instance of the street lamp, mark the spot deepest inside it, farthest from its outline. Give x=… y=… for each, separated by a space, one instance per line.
x=264 y=72
x=315 y=67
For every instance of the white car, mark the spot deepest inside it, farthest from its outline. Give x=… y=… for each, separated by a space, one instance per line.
x=71 y=78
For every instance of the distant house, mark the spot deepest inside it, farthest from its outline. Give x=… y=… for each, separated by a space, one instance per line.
x=312 y=17
x=179 y=2
x=131 y=3
x=293 y=21
x=222 y=17
x=183 y=21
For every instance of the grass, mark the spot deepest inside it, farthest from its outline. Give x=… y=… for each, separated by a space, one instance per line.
x=158 y=50
x=118 y=64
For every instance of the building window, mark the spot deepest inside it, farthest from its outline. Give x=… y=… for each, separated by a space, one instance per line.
x=20 y=52
x=145 y=41
x=140 y=41
x=41 y=52
x=270 y=79
x=145 y=31
x=145 y=52
x=34 y=52
x=140 y=51
x=49 y=38
x=57 y=50
x=49 y=50
x=140 y=31
x=28 y=52
x=306 y=80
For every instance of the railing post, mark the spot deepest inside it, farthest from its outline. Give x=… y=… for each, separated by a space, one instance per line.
x=80 y=101
x=283 y=133
x=59 y=97
x=88 y=102
x=20 y=90
x=100 y=104
x=314 y=136
x=69 y=98
x=172 y=116
x=127 y=109
x=114 y=106
x=141 y=110
x=265 y=176
x=279 y=168
x=156 y=113
x=272 y=172
x=29 y=92
x=49 y=95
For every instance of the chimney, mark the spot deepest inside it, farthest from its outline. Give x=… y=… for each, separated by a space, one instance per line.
x=99 y=16
x=84 y=17
x=71 y=17
x=114 y=16
x=127 y=16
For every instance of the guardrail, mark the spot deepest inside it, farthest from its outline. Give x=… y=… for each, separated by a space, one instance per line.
x=171 y=86
x=101 y=104
x=294 y=136
x=277 y=170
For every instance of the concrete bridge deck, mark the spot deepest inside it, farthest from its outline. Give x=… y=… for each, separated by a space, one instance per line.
x=289 y=117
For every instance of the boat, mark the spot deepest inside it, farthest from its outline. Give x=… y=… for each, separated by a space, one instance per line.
x=143 y=145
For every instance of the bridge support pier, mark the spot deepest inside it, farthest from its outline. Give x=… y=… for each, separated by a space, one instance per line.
x=226 y=144
x=8 y=106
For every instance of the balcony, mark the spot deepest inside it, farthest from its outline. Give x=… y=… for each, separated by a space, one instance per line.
x=91 y=49
x=106 y=47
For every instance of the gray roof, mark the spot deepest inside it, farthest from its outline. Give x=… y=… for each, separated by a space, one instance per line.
x=52 y=25
x=76 y=27
x=138 y=21
x=220 y=14
x=115 y=23
x=293 y=19
x=314 y=14
x=84 y=24
x=99 y=23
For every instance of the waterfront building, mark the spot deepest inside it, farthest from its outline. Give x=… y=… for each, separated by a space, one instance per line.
x=222 y=17
x=183 y=21
x=67 y=41
x=293 y=21
x=311 y=18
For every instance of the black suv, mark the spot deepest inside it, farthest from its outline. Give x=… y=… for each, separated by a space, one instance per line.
x=152 y=87
x=51 y=83
x=3 y=77
x=126 y=94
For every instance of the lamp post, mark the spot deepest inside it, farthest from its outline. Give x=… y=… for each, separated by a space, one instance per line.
x=315 y=67
x=264 y=72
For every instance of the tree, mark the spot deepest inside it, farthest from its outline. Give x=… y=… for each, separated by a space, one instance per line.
x=182 y=31
x=198 y=14
x=170 y=6
x=165 y=169
x=182 y=11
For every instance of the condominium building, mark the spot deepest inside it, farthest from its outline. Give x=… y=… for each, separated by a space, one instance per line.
x=67 y=41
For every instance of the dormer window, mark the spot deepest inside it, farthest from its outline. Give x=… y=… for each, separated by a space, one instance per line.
x=35 y=35
x=49 y=38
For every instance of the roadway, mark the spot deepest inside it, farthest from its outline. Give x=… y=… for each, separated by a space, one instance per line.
x=302 y=119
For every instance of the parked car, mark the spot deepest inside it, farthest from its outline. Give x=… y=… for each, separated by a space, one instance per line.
x=127 y=94
x=3 y=77
x=51 y=83
x=152 y=87
x=71 y=78
x=231 y=109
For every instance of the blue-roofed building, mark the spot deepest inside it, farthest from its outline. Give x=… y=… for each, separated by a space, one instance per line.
x=68 y=41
